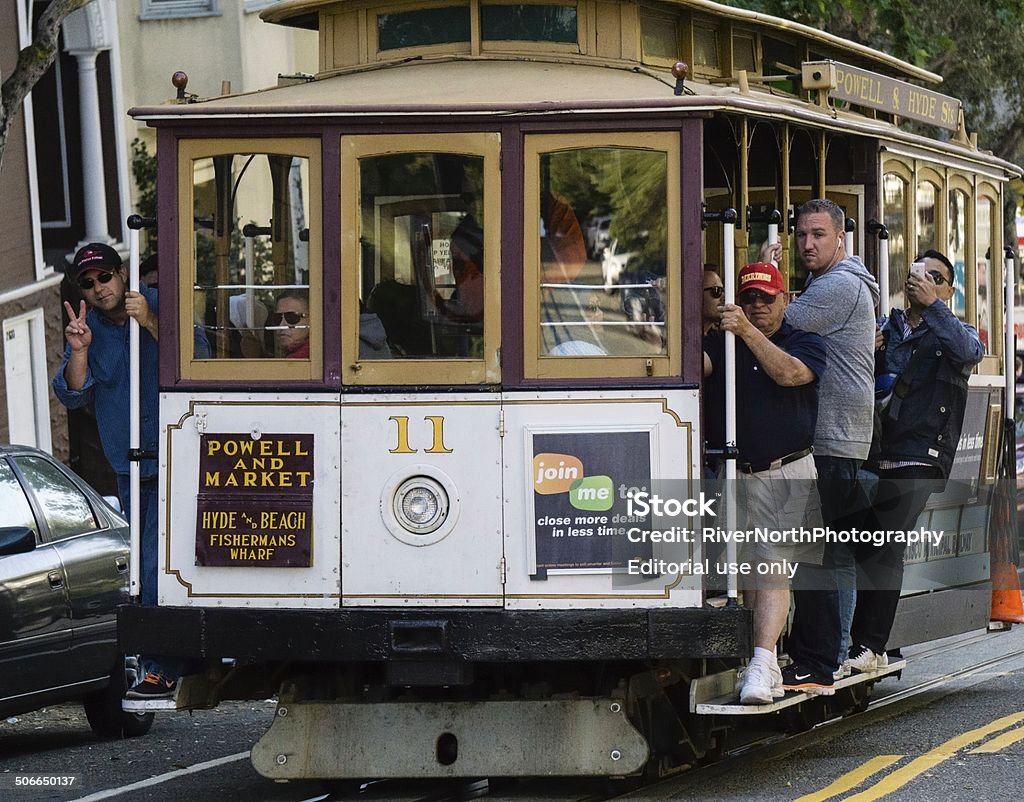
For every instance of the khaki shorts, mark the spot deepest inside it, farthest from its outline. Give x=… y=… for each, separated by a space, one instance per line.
x=780 y=499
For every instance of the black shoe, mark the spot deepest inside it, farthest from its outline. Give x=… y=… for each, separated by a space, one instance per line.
x=154 y=686
x=796 y=677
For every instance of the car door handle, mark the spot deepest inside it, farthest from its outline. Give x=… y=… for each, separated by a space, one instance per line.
x=56 y=579
x=122 y=564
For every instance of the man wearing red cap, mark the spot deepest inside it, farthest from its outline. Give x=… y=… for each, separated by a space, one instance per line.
x=777 y=373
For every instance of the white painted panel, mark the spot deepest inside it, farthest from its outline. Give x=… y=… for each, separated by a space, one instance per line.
x=617 y=435
x=21 y=406
x=28 y=385
x=183 y=582
x=459 y=564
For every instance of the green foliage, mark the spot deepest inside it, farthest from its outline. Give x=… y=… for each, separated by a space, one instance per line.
x=978 y=49
x=143 y=165
x=627 y=184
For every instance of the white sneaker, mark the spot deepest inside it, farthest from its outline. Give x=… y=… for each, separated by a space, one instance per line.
x=843 y=671
x=866 y=660
x=758 y=686
x=777 y=690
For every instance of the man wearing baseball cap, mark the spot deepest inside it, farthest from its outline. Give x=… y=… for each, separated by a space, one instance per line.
x=95 y=369
x=777 y=373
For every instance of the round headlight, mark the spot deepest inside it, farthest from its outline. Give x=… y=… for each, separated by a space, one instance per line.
x=420 y=505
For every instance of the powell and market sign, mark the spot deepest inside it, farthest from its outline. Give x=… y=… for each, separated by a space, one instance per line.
x=874 y=91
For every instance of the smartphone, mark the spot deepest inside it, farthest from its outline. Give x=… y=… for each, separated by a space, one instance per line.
x=918 y=269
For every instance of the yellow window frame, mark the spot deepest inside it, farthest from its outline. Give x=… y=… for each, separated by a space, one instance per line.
x=426 y=371
x=311 y=369
x=536 y=366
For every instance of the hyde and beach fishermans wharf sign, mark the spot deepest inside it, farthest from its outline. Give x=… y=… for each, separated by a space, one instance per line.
x=871 y=90
x=255 y=502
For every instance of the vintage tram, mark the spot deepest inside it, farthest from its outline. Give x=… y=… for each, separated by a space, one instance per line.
x=451 y=286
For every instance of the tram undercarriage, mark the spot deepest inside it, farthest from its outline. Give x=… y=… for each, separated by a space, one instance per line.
x=456 y=693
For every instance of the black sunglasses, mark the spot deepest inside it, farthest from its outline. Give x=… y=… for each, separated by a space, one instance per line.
x=87 y=282
x=291 y=318
x=715 y=292
x=937 y=277
x=750 y=296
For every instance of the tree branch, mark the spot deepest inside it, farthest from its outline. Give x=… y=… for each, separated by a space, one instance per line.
x=33 y=62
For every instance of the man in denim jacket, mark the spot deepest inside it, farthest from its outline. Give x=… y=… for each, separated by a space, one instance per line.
x=932 y=353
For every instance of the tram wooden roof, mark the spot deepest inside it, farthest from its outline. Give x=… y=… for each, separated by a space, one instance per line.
x=523 y=86
x=305 y=14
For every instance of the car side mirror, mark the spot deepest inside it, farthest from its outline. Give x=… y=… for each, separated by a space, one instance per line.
x=114 y=503
x=16 y=540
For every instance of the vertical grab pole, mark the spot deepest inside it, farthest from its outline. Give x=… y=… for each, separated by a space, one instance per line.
x=1009 y=351
x=774 y=219
x=135 y=551
x=874 y=227
x=250 y=293
x=729 y=279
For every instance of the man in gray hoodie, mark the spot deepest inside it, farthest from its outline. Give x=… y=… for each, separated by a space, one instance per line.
x=837 y=303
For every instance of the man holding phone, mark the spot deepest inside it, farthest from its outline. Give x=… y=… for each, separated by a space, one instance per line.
x=932 y=353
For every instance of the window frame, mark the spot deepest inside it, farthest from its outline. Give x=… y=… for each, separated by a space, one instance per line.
x=958 y=183
x=421 y=371
x=665 y=18
x=444 y=48
x=654 y=366
x=993 y=359
x=527 y=45
x=178 y=9
x=243 y=369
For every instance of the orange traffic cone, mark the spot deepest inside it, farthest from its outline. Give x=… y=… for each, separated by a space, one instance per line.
x=1006 y=596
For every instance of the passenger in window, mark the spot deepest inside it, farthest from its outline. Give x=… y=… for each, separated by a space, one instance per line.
x=290 y=323
x=466 y=304
x=931 y=354
x=94 y=370
x=714 y=290
x=778 y=368
x=373 y=339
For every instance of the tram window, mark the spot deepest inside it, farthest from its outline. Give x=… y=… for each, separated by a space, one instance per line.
x=425 y=26
x=927 y=233
x=957 y=249
x=255 y=261
x=613 y=298
x=421 y=258
x=422 y=269
x=529 y=23
x=744 y=53
x=705 y=48
x=987 y=291
x=659 y=37
x=894 y=192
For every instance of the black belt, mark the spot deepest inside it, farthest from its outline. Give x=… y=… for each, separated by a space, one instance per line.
x=747 y=467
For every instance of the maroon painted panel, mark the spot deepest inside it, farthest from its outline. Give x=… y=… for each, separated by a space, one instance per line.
x=255 y=501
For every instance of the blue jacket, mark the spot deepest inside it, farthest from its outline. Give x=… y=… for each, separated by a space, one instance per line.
x=107 y=386
x=923 y=419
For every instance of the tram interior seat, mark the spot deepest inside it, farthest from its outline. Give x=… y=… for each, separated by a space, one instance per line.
x=398 y=307
x=414 y=327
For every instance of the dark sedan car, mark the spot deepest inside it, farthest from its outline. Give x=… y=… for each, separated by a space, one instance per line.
x=63 y=572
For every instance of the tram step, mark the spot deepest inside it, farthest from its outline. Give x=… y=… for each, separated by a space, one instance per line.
x=718 y=694
x=148 y=705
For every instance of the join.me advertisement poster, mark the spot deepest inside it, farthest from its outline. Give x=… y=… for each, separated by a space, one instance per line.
x=581 y=482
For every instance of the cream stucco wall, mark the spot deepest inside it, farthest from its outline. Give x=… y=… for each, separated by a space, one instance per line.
x=235 y=46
